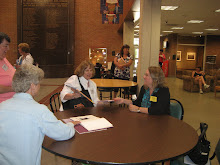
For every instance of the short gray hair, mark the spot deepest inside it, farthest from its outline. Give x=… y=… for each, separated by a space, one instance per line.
x=25 y=76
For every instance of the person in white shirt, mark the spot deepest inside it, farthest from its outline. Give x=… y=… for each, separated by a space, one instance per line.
x=25 y=58
x=24 y=122
x=78 y=85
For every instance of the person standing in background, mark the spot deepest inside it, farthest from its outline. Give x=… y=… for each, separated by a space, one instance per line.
x=25 y=58
x=161 y=58
x=6 y=69
x=122 y=61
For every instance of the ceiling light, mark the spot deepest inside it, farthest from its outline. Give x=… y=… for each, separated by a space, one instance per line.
x=197 y=32
x=217 y=11
x=169 y=7
x=195 y=21
x=177 y=28
x=211 y=29
x=167 y=31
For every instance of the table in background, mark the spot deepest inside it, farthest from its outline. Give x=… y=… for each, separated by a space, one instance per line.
x=217 y=88
x=114 y=83
x=135 y=138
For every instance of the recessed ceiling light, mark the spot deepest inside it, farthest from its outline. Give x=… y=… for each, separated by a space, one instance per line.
x=177 y=28
x=211 y=29
x=167 y=31
x=195 y=21
x=169 y=7
x=217 y=11
x=197 y=32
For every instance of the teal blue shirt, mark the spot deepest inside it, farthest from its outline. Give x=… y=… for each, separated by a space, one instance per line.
x=146 y=98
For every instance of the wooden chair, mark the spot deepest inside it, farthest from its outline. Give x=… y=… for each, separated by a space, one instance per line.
x=55 y=102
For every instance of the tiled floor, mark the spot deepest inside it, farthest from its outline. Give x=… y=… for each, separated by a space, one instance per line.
x=198 y=108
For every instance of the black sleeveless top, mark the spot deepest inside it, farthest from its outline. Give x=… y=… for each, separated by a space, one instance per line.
x=197 y=74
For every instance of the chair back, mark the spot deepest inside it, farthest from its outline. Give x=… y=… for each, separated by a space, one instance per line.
x=55 y=102
x=217 y=152
x=176 y=109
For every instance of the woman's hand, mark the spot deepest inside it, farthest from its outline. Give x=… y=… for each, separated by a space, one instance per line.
x=118 y=100
x=76 y=95
x=75 y=122
x=133 y=108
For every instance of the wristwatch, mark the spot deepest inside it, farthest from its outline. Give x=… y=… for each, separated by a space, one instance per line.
x=138 y=110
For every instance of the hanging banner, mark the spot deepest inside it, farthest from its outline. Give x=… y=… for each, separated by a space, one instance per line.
x=111 y=7
x=110 y=18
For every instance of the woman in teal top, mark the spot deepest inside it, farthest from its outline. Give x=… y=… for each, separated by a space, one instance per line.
x=154 y=96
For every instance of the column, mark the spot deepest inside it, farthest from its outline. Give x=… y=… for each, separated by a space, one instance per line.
x=149 y=36
x=128 y=38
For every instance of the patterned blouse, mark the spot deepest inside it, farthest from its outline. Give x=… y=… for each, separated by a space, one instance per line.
x=123 y=74
x=146 y=98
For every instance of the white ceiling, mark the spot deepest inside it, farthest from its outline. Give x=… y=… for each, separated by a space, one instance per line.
x=190 y=10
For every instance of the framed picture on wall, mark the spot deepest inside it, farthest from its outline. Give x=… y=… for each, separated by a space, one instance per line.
x=178 y=56
x=191 y=56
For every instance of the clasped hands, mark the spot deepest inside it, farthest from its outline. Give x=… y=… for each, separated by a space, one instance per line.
x=132 y=108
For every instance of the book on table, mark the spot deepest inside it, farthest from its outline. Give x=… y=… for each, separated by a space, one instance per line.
x=90 y=123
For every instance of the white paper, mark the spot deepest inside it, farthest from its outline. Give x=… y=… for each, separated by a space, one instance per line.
x=99 y=123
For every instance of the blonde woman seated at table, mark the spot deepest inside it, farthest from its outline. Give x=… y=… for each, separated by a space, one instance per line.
x=154 y=97
x=80 y=82
x=198 y=76
x=24 y=122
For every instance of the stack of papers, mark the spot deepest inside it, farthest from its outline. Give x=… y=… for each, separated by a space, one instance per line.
x=90 y=123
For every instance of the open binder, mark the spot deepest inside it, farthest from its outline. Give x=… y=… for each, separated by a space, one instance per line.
x=90 y=123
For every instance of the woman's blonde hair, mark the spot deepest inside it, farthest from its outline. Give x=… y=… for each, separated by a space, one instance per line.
x=25 y=76
x=157 y=76
x=24 y=47
x=82 y=67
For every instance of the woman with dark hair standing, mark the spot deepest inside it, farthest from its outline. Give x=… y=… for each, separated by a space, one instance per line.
x=122 y=61
x=6 y=69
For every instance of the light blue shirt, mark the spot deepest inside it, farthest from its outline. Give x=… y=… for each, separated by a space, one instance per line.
x=23 y=125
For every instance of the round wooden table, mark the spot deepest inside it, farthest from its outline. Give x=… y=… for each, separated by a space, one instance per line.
x=113 y=83
x=110 y=84
x=135 y=138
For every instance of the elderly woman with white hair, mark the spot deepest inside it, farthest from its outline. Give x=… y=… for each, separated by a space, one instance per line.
x=24 y=122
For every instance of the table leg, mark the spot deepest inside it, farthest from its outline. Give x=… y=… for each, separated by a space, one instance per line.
x=215 y=92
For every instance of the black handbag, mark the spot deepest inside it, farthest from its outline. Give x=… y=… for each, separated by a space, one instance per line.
x=79 y=102
x=200 y=154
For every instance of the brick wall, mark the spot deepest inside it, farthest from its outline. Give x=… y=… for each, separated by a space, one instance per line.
x=8 y=25
x=91 y=33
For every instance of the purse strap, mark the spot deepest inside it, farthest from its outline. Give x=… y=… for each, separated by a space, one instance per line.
x=203 y=129
x=81 y=85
